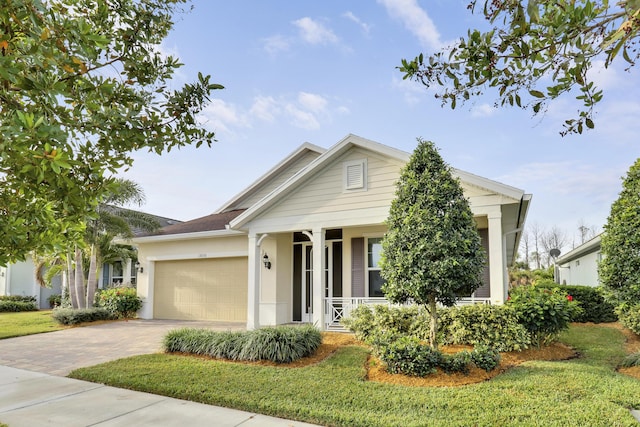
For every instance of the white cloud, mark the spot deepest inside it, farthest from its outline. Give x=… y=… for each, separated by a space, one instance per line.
x=363 y=25
x=483 y=110
x=312 y=102
x=415 y=19
x=306 y=110
x=314 y=32
x=265 y=108
x=275 y=44
x=343 y=110
x=302 y=119
x=221 y=117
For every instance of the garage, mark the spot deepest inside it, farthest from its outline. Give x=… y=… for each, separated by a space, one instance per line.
x=201 y=289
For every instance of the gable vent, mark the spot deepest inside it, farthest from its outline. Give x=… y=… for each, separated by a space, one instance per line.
x=355 y=175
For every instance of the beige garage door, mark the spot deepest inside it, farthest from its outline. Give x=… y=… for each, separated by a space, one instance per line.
x=201 y=289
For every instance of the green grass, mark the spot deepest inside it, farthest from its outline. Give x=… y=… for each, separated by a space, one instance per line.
x=27 y=323
x=580 y=392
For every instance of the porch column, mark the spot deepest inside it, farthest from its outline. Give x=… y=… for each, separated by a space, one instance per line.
x=253 y=291
x=496 y=258
x=318 y=278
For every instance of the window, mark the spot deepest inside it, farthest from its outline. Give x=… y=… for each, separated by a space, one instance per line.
x=578 y=263
x=375 y=281
x=355 y=175
x=117 y=273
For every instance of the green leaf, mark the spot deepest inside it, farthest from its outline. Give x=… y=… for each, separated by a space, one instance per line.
x=536 y=93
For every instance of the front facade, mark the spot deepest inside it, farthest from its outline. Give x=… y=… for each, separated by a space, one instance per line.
x=580 y=265
x=302 y=244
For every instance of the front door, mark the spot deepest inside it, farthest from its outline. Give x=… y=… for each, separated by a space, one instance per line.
x=303 y=277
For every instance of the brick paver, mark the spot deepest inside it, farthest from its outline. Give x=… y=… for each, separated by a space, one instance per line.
x=60 y=352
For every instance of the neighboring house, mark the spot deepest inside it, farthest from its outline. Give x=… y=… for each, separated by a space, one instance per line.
x=302 y=243
x=20 y=278
x=580 y=265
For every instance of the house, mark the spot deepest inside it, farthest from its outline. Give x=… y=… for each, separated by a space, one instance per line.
x=20 y=278
x=302 y=243
x=580 y=265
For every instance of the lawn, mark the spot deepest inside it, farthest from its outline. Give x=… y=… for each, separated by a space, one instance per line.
x=27 y=323
x=586 y=391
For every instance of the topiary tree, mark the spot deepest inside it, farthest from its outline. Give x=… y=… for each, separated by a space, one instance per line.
x=431 y=252
x=619 y=269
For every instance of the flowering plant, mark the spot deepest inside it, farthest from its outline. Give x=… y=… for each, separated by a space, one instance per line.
x=544 y=312
x=122 y=302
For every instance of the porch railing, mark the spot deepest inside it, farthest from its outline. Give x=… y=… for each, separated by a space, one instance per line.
x=338 y=308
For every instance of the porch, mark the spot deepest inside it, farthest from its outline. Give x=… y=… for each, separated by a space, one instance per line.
x=335 y=309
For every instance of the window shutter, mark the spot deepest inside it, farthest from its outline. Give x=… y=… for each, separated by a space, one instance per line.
x=484 y=291
x=357 y=267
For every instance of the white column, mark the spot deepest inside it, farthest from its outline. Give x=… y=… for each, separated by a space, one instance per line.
x=253 y=291
x=496 y=259
x=318 y=278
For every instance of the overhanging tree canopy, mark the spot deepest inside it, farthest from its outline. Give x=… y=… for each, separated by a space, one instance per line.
x=83 y=84
x=536 y=51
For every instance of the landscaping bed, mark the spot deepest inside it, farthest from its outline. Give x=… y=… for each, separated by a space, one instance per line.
x=338 y=390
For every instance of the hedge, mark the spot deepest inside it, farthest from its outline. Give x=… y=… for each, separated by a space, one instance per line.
x=71 y=316
x=16 y=306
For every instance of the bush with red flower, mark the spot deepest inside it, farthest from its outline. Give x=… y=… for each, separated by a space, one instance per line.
x=544 y=312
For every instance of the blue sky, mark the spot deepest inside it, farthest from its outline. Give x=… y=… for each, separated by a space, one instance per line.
x=303 y=71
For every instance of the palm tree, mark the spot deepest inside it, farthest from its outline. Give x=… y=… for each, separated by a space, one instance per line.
x=113 y=221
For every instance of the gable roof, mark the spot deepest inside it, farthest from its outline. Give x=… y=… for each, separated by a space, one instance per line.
x=341 y=147
x=297 y=155
x=586 y=248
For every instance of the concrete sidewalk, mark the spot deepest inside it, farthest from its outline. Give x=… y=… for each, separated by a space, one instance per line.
x=36 y=399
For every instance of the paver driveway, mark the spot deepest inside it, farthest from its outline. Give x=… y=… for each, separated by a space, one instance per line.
x=60 y=352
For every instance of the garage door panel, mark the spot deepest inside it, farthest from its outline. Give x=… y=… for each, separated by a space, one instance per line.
x=207 y=289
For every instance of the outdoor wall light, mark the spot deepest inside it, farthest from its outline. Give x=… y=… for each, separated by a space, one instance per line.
x=139 y=267
x=266 y=262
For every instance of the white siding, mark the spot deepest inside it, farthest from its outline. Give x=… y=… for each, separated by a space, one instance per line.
x=324 y=192
x=274 y=182
x=582 y=271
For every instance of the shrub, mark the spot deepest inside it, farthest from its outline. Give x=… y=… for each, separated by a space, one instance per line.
x=631 y=360
x=18 y=298
x=630 y=317
x=281 y=344
x=366 y=321
x=16 y=306
x=493 y=326
x=594 y=307
x=410 y=356
x=544 y=312
x=486 y=358
x=458 y=362
x=69 y=316
x=55 y=300
x=123 y=302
